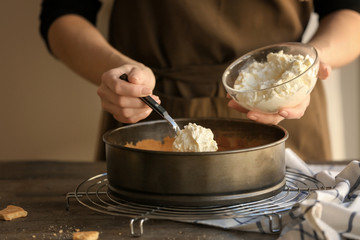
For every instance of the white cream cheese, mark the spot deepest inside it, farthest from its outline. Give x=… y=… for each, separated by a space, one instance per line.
x=257 y=80
x=195 y=138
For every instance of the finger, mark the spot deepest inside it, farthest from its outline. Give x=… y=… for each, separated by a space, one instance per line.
x=142 y=76
x=121 y=101
x=126 y=115
x=133 y=118
x=156 y=98
x=120 y=87
x=295 y=112
x=286 y=113
x=234 y=105
x=260 y=117
x=266 y=118
x=324 y=71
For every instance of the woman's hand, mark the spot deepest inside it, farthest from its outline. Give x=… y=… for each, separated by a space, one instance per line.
x=121 y=98
x=295 y=112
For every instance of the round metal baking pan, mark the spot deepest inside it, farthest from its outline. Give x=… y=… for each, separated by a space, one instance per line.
x=249 y=166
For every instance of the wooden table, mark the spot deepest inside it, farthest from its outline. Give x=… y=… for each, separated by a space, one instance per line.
x=40 y=187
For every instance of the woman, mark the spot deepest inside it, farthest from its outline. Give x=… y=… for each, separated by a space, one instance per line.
x=186 y=45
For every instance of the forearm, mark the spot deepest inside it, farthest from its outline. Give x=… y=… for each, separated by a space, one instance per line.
x=338 y=38
x=81 y=46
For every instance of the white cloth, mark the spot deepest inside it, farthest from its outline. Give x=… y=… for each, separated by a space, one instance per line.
x=325 y=214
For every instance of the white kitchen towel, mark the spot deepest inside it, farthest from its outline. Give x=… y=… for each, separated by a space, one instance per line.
x=328 y=214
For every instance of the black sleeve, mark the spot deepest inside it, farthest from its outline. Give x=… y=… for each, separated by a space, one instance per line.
x=53 y=9
x=324 y=7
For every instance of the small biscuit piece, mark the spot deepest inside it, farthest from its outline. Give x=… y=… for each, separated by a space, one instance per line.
x=89 y=235
x=12 y=212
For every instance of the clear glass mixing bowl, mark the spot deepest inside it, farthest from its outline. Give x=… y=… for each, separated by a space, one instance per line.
x=286 y=94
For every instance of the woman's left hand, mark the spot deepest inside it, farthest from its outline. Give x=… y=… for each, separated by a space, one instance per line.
x=295 y=112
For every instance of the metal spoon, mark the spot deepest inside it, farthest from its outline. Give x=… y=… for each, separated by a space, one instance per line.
x=157 y=108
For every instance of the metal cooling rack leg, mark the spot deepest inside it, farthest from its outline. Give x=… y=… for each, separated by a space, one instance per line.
x=73 y=195
x=275 y=222
x=67 y=198
x=139 y=232
x=79 y=195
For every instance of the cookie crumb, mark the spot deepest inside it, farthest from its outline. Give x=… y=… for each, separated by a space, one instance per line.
x=89 y=235
x=12 y=212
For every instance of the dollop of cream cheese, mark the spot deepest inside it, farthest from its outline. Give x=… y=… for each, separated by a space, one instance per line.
x=195 y=138
x=278 y=70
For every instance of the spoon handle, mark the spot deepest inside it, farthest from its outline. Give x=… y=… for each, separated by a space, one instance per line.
x=149 y=100
x=156 y=107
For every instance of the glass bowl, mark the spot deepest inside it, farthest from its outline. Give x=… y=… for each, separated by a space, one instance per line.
x=261 y=96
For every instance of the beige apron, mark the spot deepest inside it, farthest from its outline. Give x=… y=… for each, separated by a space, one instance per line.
x=188 y=44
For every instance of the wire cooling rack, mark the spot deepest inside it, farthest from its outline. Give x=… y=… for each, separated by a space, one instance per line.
x=93 y=193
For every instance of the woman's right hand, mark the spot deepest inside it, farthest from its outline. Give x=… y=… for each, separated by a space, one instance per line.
x=121 y=98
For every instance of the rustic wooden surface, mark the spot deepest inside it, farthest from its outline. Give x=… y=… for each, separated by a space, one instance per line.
x=40 y=188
